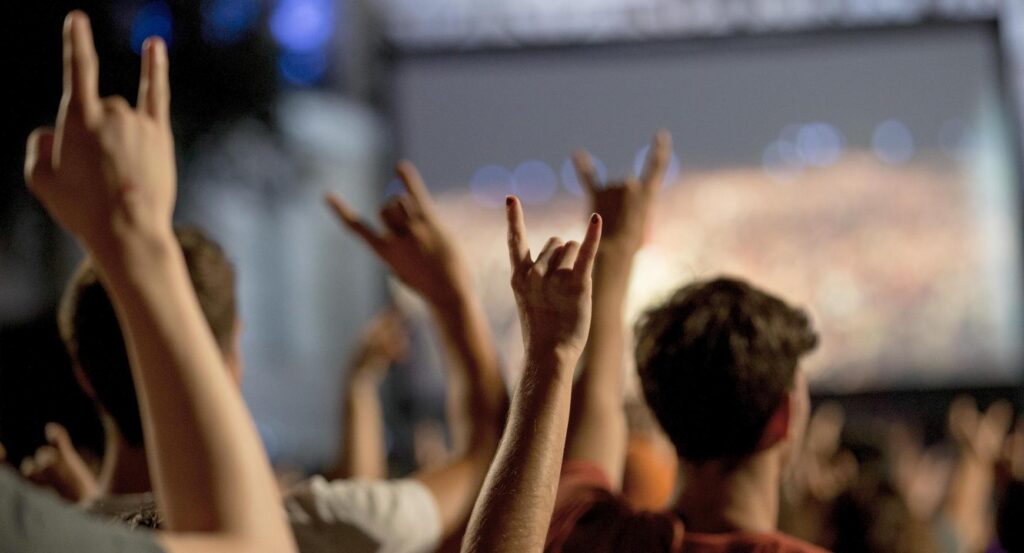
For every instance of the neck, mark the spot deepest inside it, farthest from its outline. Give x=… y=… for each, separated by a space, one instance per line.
x=718 y=497
x=125 y=469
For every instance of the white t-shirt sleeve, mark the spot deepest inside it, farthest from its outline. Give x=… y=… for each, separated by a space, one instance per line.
x=396 y=516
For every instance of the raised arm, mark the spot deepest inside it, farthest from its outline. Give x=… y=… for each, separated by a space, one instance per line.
x=597 y=427
x=107 y=175
x=514 y=509
x=363 y=452
x=420 y=252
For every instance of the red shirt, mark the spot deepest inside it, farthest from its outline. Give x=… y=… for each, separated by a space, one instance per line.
x=589 y=518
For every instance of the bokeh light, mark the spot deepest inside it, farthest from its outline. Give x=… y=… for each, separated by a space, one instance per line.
x=301 y=68
x=819 y=144
x=228 y=21
x=534 y=182
x=490 y=185
x=152 y=19
x=303 y=25
x=892 y=142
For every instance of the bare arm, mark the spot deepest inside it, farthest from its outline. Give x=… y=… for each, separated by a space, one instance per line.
x=107 y=175
x=363 y=453
x=514 y=509
x=979 y=438
x=420 y=252
x=597 y=428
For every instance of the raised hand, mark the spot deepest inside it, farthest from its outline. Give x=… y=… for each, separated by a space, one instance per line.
x=59 y=466
x=383 y=342
x=553 y=290
x=415 y=245
x=978 y=434
x=106 y=170
x=625 y=205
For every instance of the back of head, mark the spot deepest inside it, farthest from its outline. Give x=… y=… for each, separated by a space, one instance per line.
x=715 y=361
x=92 y=335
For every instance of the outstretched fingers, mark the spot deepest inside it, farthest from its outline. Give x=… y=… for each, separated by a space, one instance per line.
x=659 y=157
x=585 y=170
x=154 y=89
x=413 y=182
x=588 y=249
x=518 y=249
x=354 y=222
x=81 y=66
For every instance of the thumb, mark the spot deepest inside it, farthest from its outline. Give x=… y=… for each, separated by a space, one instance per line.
x=39 y=174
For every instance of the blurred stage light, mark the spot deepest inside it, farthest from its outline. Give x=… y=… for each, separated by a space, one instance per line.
x=534 y=182
x=819 y=144
x=781 y=162
x=152 y=19
x=572 y=183
x=303 y=25
x=228 y=21
x=673 y=167
x=301 y=68
x=490 y=185
x=892 y=142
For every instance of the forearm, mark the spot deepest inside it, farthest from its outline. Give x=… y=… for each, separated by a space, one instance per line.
x=477 y=401
x=597 y=428
x=969 y=501
x=362 y=453
x=514 y=510
x=208 y=466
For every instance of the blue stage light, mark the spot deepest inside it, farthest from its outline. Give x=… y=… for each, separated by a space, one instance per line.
x=892 y=142
x=303 y=25
x=303 y=69
x=228 y=21
x=490 y=185
x=534 y=182
x=152 y=19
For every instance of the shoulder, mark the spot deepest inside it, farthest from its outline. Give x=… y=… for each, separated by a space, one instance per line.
x=590 y=518
x=36 y=521
x=394 y=516
x=747 y=542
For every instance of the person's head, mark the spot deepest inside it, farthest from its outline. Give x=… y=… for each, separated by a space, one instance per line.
x=719 y=366
x=92 y=335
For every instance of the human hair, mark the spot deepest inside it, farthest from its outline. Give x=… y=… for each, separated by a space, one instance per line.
x=91 y=333
x=715 y=361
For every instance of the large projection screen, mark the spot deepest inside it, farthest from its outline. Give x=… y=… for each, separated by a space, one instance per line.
x=869 y=176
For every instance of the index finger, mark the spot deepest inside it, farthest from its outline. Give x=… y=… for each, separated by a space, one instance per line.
x=518 y=249
x=354 y=222
x=585 y=170
x=659 y=156
x=588 y=249
x=81 y=64
x=413 y=181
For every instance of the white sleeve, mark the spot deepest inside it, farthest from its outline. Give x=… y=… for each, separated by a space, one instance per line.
x=396 y=516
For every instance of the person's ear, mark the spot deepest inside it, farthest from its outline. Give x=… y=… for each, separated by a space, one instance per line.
x=778 y=427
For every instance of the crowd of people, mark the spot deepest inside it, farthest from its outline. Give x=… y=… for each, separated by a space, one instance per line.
x=720 y=452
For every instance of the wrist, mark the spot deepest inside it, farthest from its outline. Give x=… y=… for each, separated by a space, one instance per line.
x=131 y=254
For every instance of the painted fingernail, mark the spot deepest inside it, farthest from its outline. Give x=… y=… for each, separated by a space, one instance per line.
x=594 y=219
x=509 y=201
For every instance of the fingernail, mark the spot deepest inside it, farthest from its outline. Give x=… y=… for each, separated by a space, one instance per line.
x=594 y=219
x=50 y=430
x=509 y=201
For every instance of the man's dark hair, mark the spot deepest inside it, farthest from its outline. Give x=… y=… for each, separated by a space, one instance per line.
x=92 y=335
x=715 y=361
